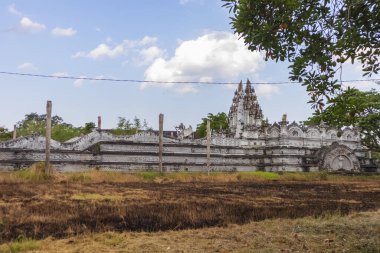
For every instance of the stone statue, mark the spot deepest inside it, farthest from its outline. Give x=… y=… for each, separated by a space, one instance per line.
x=183 y=132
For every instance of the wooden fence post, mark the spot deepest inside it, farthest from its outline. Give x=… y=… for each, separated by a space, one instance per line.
x=208 y=146
x=14 y=132
x=160 y=140
x=48 y=136
x=99 y=122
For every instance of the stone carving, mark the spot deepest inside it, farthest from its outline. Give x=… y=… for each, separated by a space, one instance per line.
x=183 y=132
x=339 y=158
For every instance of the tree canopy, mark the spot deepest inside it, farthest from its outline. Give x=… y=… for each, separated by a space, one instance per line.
x=34 y=123
x=315 y=36
x=127 y=126
x=354 y=108
x=218 y=122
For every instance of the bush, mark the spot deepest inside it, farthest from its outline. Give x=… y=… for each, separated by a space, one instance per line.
x=21 y=244
x=35 y=173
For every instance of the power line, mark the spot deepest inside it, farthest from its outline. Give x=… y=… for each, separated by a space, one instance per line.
x=162 y=82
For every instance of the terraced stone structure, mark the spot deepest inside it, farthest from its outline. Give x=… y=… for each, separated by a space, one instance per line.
x=250 y=144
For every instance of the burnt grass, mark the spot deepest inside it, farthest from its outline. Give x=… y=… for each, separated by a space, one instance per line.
x=48 y=209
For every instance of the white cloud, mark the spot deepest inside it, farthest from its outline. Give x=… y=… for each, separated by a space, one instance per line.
x=26 y=66
x=184 y=1
x=12 y=9
x=63 y=32
x=79 y=82
x=60 y=74
x=146 y=41
x=97 y=78
x=213 y=56
x=108 y=39
x=27 y=25
x=266 y=90
x=105 y=50
x=186 y=88
x=231 y=86
x=148 y=55
x=101 y=51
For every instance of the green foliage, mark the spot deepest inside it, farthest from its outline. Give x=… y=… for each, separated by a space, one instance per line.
x=126 y=127
x=258 y=175
x=354 y=108
x=21 y=244
x=5 y=134
x=34 y=123
x=88 y=127
x=35 y=173
x=316 y=37
x=217 y=122
x=149 y=175
x=79 y=178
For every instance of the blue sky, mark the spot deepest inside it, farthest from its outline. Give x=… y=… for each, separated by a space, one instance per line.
x=170 y=40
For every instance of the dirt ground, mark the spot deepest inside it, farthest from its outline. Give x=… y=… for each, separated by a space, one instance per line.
x=62 y=210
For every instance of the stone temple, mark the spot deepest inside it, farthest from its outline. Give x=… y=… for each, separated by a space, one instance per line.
x=250 y=144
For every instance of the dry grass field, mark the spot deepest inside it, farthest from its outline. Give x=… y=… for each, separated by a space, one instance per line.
x=358 y=232
x=188 y=212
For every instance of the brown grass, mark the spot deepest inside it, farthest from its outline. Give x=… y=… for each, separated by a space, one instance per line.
x=35 y=174
x=63 y=208
x=357 y=232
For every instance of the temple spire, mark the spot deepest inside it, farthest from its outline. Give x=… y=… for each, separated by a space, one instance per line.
x=240 y=86
x=248 y=87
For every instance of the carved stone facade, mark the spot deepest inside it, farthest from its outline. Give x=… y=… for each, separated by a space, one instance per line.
x=251 y=144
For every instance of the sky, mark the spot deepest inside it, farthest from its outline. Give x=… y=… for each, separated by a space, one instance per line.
x=170 y=40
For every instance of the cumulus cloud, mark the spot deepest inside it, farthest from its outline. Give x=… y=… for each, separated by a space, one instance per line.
x=98 y=78
x=101 y=51
x=27 y=25
x=212 y=56
x=266 y=90
x=186 y=88
x=12 y=9
x=148 y=55
x=26 y=66
x=146 y=41
x=106 y=50
x=60 y=74
x=79 y=82
x=63 y=32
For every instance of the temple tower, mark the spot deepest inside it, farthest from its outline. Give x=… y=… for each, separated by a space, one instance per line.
x=245 y=113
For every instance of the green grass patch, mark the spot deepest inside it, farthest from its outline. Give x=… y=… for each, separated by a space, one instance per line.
x=36 y=173
x=258 y=175
x=110 y=239
x=149 y=175
x=21 y=244
x=305 y=176
x=79 y=177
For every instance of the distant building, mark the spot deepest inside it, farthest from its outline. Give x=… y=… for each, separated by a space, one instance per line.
x=250 y=144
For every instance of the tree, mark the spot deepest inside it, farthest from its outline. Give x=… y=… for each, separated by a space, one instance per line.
x=88 y=127
x=126 y=127
x=217 y=122
x=354 y=108
x=315 y=36
x=5 y=134
x=34 y=123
